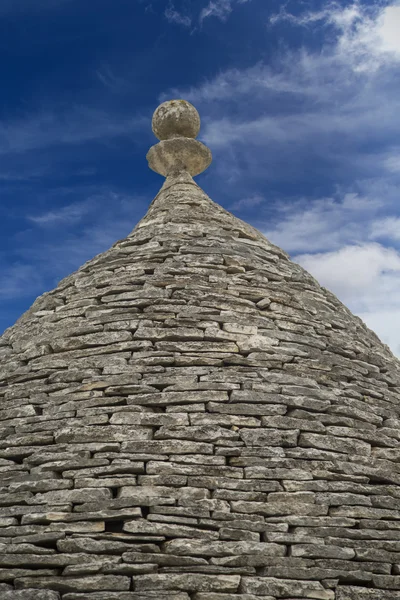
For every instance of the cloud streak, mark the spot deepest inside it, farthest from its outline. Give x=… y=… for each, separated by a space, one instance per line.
x=78 y=125
x=220 y=9
x=174 y=16
x=367 y=36
x=66 y=215
x=21 y=6
x=59 y=241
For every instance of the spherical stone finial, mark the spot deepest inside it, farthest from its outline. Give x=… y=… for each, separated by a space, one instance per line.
x=176 y=123
x=176 y=118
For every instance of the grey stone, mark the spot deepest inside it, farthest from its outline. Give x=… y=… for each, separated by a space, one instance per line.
x=206 y=596
x=279 y=588
x=357 y=593
x=99 y=434
x=223 y=548
x=322 y=551
x=149 y=419
x=29 y=595
x=127 y=596
x=65 y=496
x=68 y=584
x=269 y=437
x=337 y=444
x=172 y=530
x=205 y=433
x=188 y=582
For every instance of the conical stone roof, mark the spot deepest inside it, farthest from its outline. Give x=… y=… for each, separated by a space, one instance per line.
x=191 y=416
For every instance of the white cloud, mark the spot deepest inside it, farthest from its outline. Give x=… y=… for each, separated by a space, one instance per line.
x=366 y=278
x=307 y=102
x=217 y=8
x=68 y=214
x=367 y=36
x=389 y=227
x=221 y=9
x=78 y=125
x=388 y=28
x=236 y=84
x=334 y=239
x=113 y=82
x=59 y=241
x=45 y=253
x=392 y=163
x=386 y=323
x=18 y=280
x=322 y=224
x=354 y=271
x=174 y=16
x=248 y=202
x=324 y=100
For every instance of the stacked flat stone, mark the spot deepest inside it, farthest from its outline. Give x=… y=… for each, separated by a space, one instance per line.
x=190 y=416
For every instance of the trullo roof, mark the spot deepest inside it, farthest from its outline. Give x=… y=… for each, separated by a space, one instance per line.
x=191 y=416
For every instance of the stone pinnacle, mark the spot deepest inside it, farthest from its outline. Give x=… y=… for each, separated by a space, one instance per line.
x=176 y=124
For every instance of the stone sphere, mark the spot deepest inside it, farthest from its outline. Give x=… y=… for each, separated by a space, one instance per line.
x=176 y=118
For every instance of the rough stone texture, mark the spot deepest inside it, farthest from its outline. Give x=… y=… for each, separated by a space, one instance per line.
x=190 y=416
x=176 y=118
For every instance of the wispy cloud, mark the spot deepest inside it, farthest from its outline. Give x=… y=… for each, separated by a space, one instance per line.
x=174 y=16
x=59 y=241
x=221 y=9
x=78 y=125
x=268 y=121
x=388 y=228
x=19 y=6
x=367 y=278
x=354 y=272
x=19 y=279
x=217 y=8
x=392 y=162
x=365 y=274
x=248 y=202
x=323 y=224
x=111 y=81
x=72 y=213
x=65 y=250
x=341 y=242
x=367 y=36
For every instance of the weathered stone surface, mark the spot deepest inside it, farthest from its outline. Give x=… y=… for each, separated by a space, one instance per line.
x=168 y=447
x=188 y=582
x=206 y=596
x=99 y=434
x=322 y=551
x=357 y=593
x=29 y=595
x=280 y=588
x=162 y=559
x=172 y=530
x=202 y=548
x=127 y=596
x=269 y=437
x=66 y=584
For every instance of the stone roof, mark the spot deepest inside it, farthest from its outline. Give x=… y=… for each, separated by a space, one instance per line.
x=191 y=416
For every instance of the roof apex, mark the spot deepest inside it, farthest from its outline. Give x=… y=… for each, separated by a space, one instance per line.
x=176 y=123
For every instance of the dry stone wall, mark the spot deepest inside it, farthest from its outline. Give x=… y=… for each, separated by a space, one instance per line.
x=190 y=416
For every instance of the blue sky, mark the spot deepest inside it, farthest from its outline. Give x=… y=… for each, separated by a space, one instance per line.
x=300 y=105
